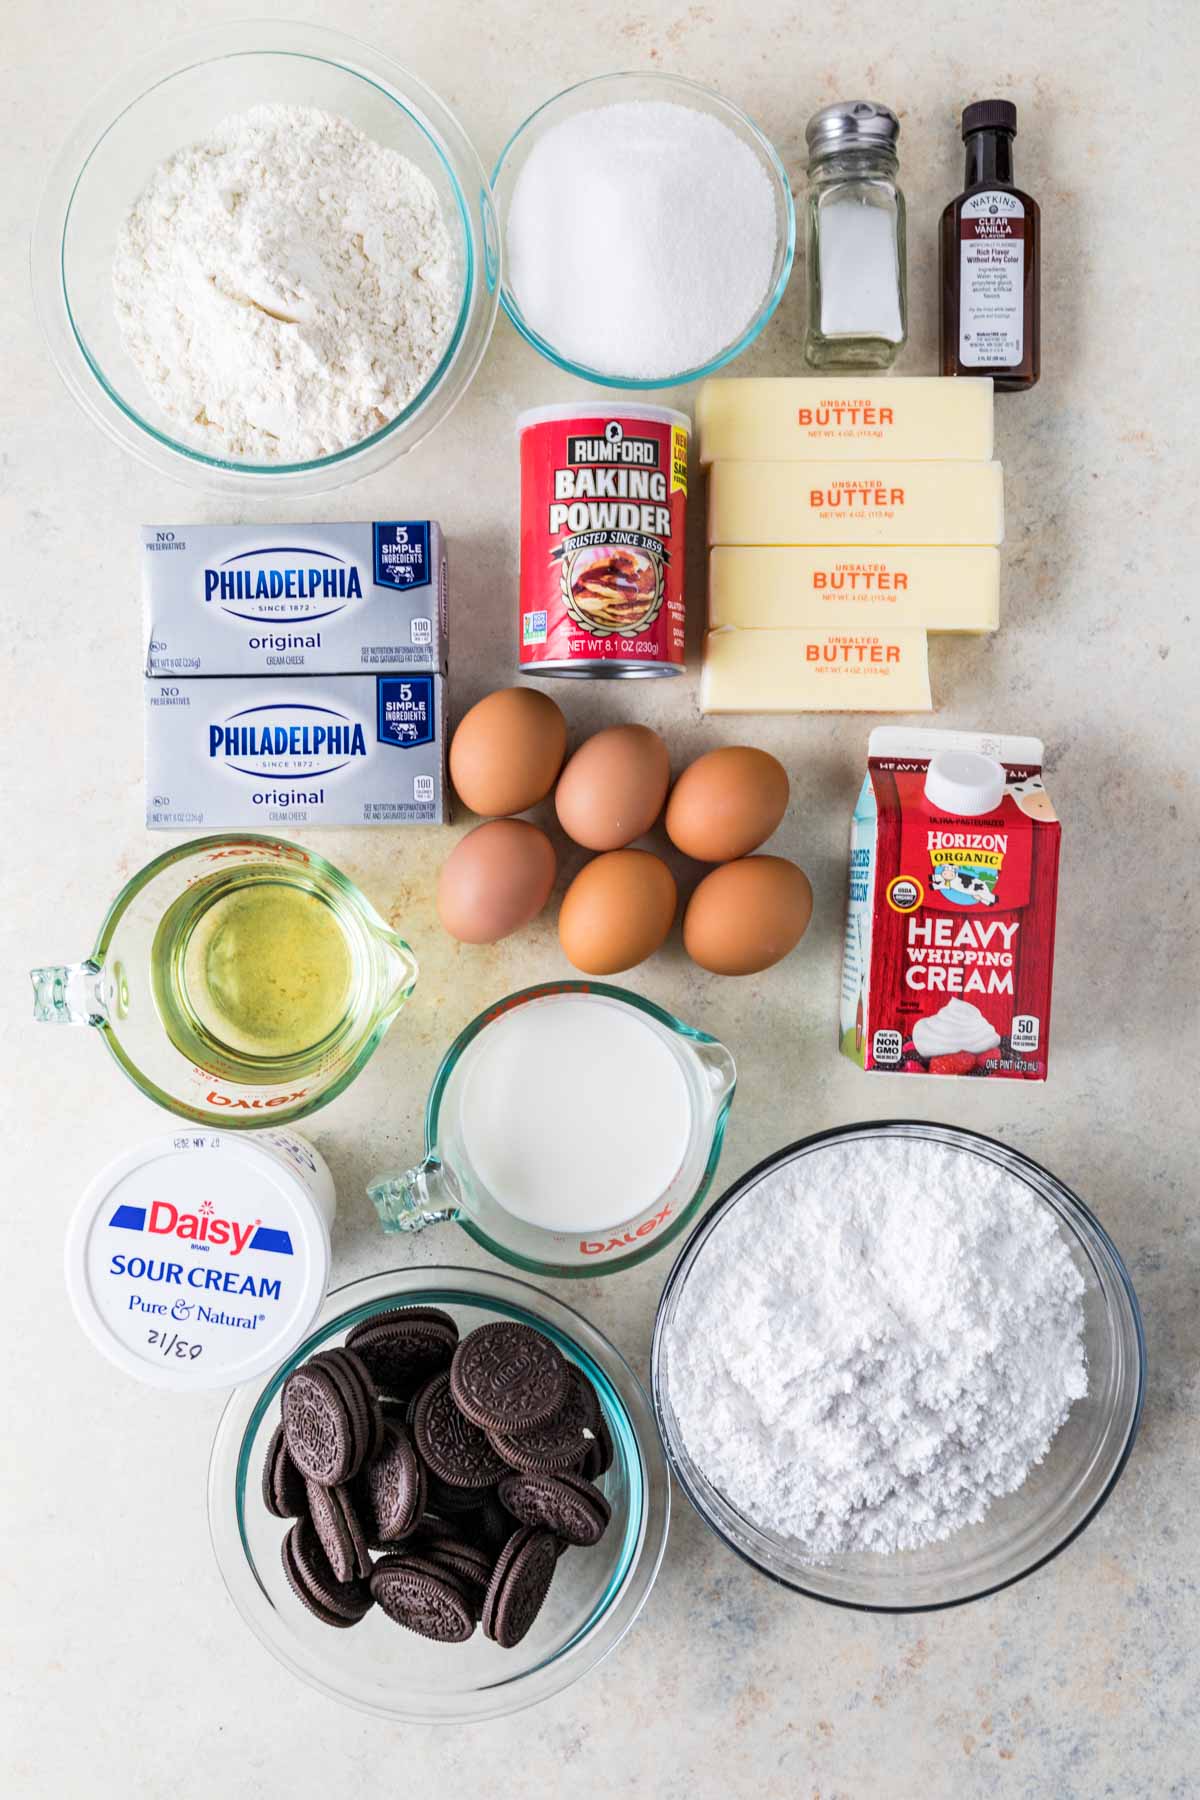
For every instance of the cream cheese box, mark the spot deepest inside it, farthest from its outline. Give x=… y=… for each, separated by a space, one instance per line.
x=253 y=751
x=338 y=599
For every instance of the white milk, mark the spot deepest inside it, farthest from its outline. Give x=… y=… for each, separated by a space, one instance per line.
x=575 y=1113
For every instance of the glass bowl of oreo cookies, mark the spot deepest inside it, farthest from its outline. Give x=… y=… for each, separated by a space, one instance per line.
x=448 y=1504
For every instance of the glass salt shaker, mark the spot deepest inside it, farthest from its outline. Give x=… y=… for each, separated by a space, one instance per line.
x=857 y=276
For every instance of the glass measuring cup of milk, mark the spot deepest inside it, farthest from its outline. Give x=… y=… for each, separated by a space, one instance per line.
x=238 y=980
x=572 y=1129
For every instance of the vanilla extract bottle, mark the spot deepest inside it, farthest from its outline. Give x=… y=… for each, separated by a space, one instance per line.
x=990 y=259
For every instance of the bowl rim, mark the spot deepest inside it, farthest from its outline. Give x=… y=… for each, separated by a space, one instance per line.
x=765 y=313
x=425 y=111
x=506 y=1696
x=681 y=1470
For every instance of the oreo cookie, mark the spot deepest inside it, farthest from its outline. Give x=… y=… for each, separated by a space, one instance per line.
x=563 y=1504
x=423 y=1598
x=404 y=1349
x=282 y=1483
x=560 y=1446
x=507 y=1377
x=391 y=1488
x=456 y=1451
x=318 y=1425
x=340 y=1531
x=519 y=1585
x=601 y=1450
x=312 y=1580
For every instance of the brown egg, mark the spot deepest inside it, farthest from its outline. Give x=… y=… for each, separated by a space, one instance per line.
x=617 y=911
x=727 y=803
x=613 y=788
x=495 y=880
x=507 y=751
x=747 y=915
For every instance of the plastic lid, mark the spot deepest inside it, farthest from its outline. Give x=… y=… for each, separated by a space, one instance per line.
x=850 y=123
x=962 y=782
x=198 y=1260
x=989 y=115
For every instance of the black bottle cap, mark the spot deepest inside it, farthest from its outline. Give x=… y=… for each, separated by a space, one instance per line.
x=990 y=115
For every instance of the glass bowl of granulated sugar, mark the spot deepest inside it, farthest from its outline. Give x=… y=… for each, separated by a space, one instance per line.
x=898 y=1367
x=267 y=259
x=648 y=230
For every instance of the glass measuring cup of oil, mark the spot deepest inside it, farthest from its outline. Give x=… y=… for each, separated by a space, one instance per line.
x=572 y=1129
x=237 y=979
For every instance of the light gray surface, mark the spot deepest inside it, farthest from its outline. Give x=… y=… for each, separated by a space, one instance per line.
x=126 y=1671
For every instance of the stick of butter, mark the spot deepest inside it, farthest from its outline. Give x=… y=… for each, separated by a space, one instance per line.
x=815 y=671
x=789 y=419
x=855 y=503
x=934 y=588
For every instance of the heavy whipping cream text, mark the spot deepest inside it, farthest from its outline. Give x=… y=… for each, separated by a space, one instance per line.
x=950 y=935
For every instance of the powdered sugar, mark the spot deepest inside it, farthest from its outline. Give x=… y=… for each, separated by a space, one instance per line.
x=286 y=286
x=640 y=237
x=876 y=1342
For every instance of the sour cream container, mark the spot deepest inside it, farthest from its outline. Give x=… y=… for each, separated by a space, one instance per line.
x=200 y=1259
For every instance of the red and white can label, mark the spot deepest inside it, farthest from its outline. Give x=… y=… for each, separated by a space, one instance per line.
x=603 y=520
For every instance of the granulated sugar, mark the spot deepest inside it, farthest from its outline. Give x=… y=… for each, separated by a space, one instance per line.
x=286 y=286
x=879 y=1340
x=640 y=237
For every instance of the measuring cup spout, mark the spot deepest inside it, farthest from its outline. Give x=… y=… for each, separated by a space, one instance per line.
x=720 y=1070
x=69 y=994
x=399 y=972
x=414 y=1198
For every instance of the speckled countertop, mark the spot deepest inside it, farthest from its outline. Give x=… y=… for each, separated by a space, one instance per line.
x=125 y=1670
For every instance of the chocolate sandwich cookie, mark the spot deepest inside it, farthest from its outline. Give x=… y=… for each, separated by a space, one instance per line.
x=601 y=1450
x=558 y=1447
x=339 y=1529
x=563 y=1504
x=507 y=1377
x=403 y=1349
x=423 y=1598
x=390 y=1490
x=319 y=1425
x=519 y=1585
x=312 y=1580
x=282 y=1482
x=456 y=1451
x=359 y=1389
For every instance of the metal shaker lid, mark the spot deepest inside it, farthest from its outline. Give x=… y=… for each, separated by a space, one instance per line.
x=850 y=124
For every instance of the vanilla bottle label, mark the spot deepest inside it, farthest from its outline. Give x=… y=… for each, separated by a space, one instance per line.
x=991 y=330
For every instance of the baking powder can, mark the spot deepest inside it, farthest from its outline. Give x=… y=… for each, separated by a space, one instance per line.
x=603 y=523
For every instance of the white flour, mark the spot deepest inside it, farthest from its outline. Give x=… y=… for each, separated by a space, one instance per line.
x=285 y=286
x=876 y=1343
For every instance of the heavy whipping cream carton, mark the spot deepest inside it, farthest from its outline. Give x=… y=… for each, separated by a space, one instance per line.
x=949 y=950
x=295 y=675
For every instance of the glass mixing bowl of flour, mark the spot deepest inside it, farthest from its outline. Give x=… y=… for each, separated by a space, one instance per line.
x=379 y=1667
x=1021 y=1530
x=176 y=98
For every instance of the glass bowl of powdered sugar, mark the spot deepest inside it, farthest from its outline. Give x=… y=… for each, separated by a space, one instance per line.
x=898 y=1366
x=267 y=259
x=648 y=228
